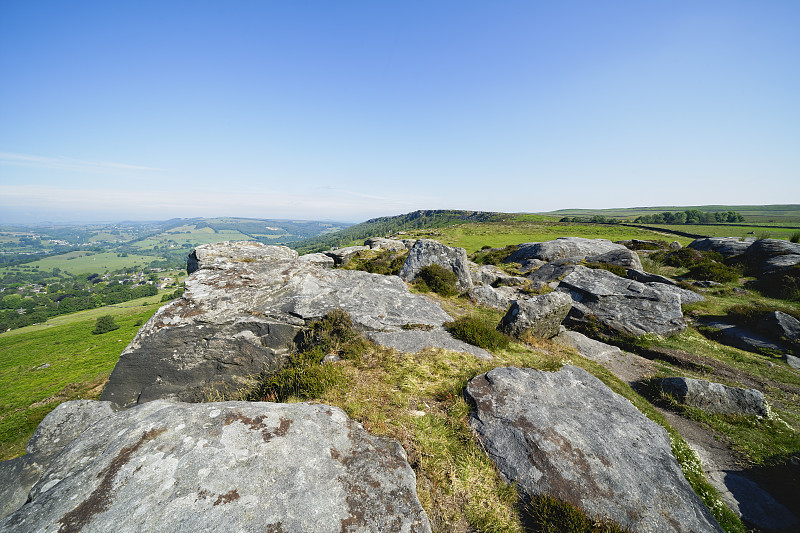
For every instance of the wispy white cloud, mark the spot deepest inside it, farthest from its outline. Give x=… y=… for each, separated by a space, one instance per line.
x=151 y=203
x=66 y=163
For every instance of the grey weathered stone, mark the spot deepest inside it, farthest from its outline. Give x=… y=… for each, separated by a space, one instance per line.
x=568 y=435
x=621 y=257
x=391 y=245
x=780 y=326
x=716 y=397
x=646 y=277
x=792 y=361
x=772 y=255
x=426 y=252
x=342 y=256
x=60 y=427
x=225 y=255
x=588 y=348
x=487 y=296
x=564 y=248
x=552 y=271
x=686 y=296
x=414 y=340
x=530 y=264
x=745 y=339
x=233 y=466
x=621 y=304
x=240 y=318
x=675 y=245
x=484 y=275
x=322 y=260
x=537 y=316
x=726 y=246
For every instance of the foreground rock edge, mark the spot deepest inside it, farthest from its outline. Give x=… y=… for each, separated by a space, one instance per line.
x=166 y=466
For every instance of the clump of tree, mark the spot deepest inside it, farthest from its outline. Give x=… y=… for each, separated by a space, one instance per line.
x=691 y=216
x=104 y=324
x=596 y=219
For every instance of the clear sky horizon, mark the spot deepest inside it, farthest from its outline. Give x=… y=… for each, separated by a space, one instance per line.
x=352 y=110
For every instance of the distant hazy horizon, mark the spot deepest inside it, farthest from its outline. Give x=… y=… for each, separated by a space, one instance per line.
x=351 y=111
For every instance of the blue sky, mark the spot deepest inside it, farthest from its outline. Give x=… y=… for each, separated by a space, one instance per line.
x=350 y=110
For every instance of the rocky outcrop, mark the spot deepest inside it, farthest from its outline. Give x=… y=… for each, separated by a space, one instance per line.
x=768 y=256
x=578 y=248
x=780 y=326
x=567 y=435
x=725 y=246
x=588 y=348
x=391 y=245
x=716 y=397
x=484 y=275
x=233 y=466
x=342 y=256
x=621 y=304
x=241 y=314
x=413 y=341
x=487 y=296
x=537 y=316
x=60 y=427
x=426 y=252
x=744 y=339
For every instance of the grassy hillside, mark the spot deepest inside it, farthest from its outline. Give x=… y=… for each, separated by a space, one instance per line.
x=380 y=227
x=44 y=365
x=89 y=262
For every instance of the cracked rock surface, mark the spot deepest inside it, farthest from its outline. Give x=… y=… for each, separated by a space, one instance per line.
x=232 y=466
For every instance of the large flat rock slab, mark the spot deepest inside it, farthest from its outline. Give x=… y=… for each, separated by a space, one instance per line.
x=577 y=248
x=623 y=305
x=568 y=435
x=233 y=466
x=244 y=309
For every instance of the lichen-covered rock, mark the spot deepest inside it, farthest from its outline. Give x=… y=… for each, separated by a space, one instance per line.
x=780 y=326
x=726 y=246
x=588 y=348
x=575 y=248
x=716 y=397
x=391 y=245
x=60 y=427
x=239 y=318
x=769 y=256
x=233 y=466
x=342 y=256
x=537 y=316
x=566 y=434
x=484 y=275
x=621 y=257
x=487 y=296
x=427 y=251
x=621 y=304
x=325 y=261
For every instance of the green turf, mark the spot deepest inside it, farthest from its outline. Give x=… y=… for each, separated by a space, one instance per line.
x=80 y=363
x=86 y=262
x=473 y=237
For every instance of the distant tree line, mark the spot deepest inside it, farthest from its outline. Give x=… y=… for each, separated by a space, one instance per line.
x=690 y=216
x=54 y=294
x=596 y=219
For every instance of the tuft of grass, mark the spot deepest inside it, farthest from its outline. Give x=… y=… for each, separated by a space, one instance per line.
x=438 y=279
x=547 y=514
x=478 y=331
x=379 y=262
x=493 y=256
x=714 y=272
x=795 y=237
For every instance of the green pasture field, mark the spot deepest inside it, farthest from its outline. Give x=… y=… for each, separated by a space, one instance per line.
x=752 y=213
x=191 y=238
x=85 y=262
x=723 y=230
x=80 y=364
x=473 y=237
